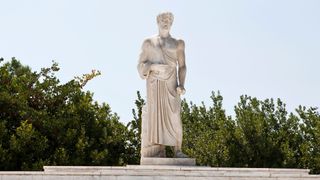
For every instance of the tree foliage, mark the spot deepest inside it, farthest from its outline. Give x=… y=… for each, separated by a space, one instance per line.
x=134 y=132
x=44 y=122
x=262 y=134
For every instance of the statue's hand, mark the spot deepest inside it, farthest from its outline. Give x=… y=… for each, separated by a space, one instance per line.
x=181 y=90
x=158 y=68
x=154 y=68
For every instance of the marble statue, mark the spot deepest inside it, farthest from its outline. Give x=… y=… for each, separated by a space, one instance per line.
x=162 y=65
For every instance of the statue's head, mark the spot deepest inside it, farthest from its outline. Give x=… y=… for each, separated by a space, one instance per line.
x=165 y=21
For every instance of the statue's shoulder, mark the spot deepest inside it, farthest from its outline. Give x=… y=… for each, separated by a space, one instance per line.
x=180 y=43
x=150 y=42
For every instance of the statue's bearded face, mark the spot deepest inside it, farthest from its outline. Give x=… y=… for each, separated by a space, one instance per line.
x=165 y=22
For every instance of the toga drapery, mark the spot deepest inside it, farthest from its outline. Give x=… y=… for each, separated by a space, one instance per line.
x=161 y=124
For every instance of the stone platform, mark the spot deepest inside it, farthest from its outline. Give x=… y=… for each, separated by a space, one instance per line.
x=149 y=172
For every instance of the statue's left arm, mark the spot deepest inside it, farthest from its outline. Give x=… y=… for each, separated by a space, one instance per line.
x=182 y=69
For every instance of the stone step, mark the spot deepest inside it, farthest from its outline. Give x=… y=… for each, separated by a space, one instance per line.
x=158 y=172
x=186 y=171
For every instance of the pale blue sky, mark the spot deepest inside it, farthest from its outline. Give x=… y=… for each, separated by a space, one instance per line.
x=263 y=48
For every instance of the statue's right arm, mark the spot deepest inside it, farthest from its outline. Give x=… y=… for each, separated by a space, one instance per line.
x=144 y=64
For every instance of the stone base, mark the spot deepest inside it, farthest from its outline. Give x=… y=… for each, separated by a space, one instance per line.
x=168 y=161
x=160 y=172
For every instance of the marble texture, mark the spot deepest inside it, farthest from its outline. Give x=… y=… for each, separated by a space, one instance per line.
x=168 y=161
x=154 y=172
x=162 y=65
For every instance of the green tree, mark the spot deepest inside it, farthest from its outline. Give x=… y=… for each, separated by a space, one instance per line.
x=262 y=134
x=266 y=136
x=310 y=143
x=134 y=132
x=44 y=122
x=208 y=132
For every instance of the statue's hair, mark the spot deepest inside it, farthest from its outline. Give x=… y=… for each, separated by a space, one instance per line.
x=163 y=14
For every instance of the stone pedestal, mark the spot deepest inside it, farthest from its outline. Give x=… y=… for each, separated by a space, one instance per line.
x=160 y=172
x=168 y=161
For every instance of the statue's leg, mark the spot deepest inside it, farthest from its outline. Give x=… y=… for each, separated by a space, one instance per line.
x=148 y=149
x=177 y=148
x=162 y=151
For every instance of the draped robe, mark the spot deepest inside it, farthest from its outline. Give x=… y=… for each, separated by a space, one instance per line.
x=161 y=123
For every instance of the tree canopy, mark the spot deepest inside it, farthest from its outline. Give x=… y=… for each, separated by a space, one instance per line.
x=45 y=122
x=262 y=134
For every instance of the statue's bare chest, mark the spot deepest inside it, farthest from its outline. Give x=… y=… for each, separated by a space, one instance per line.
x=161 y=47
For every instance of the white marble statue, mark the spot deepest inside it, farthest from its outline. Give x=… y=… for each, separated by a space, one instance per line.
x=162 y=64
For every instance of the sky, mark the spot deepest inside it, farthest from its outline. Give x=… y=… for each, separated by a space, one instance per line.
x=262 y=48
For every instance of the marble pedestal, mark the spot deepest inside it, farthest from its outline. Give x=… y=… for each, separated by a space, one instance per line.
x=168 y=161
x=153 y=172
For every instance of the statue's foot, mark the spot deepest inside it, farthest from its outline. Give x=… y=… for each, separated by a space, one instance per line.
x=161 y=154
x=180 y=154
